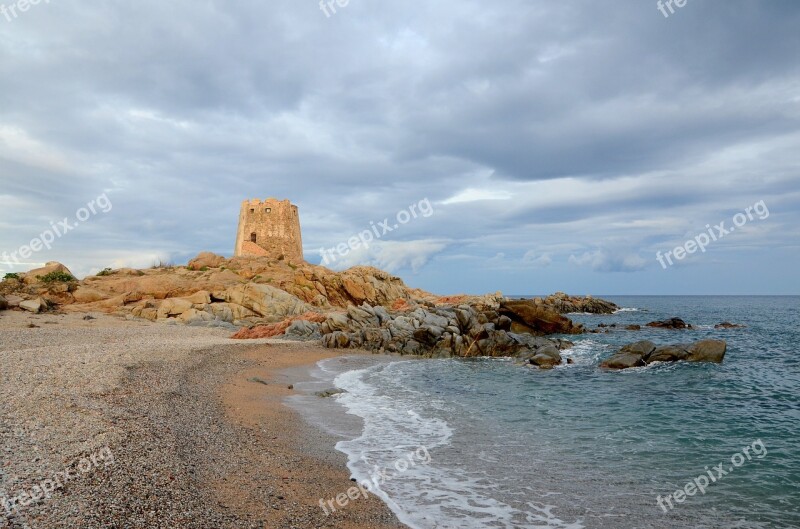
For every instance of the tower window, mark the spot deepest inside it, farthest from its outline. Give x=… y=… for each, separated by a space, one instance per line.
x=252 y=210
x=253 y=237
x=268 y=210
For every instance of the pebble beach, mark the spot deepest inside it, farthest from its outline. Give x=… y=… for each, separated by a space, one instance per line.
x=160 y=426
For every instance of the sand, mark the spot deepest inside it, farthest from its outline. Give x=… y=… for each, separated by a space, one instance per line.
x=161 y=426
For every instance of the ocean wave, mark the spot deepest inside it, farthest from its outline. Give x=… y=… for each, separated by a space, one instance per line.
x=440 y=494
x=628 y=309
x=586 y=352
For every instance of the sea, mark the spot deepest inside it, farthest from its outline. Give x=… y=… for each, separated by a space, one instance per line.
x=490 y=443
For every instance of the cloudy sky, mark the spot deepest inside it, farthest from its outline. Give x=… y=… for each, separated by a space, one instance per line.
x=559 y=144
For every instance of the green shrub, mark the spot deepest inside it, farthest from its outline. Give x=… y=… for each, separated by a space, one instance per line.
x=105 y=272
x=11 y=275
x=56 y=276
x=204 y=269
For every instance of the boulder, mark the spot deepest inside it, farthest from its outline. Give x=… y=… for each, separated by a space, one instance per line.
x=88 y=295
x=336 y=340
x=632 y=355
x=622 y=360
x=173 y=307
x=428 y=334
x=206 y=260
x=643 y=348
x=230 y=312
x=266 y=301
x=667 y=353
x=33 y=305
x=14 y=301
x=527 y=316
x=193 y=316
x=546 y=357
x=303 y=329
x=201 y=297
x=707 y=351
x=336 y=322
x=672 y=323
x=32 y=277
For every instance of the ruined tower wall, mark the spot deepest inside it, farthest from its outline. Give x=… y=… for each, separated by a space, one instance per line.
x=270 y=228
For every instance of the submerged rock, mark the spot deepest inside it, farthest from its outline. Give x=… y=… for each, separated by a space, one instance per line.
x=729 y=325
x=672 y=323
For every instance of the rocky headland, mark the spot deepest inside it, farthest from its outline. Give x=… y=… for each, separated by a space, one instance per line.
x=360 y=308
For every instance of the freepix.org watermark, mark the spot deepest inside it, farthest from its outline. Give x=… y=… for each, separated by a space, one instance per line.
x=713 y=234
x=46 y=239
x=362 y=240
x=46 y=488
x=664 y=5
x=701 y=482
x=13 y=11
x=329 y=6
x=420 y=456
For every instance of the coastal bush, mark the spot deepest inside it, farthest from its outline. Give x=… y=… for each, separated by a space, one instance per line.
x=105 y=272
x=10 y=276
x=57 y=276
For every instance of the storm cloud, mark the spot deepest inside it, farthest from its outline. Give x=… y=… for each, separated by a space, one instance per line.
x=561 y=144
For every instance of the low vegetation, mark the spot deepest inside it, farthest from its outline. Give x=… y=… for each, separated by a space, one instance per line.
x=56 y=276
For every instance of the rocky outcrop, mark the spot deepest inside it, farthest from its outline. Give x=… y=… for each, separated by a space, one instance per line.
x=250 y=291
x=526 y=316
x=3 y=303
x=462 y=331
x=268 y=302
x=565 y=304
x=643 y=353
x=672 y=323
x=305 y=326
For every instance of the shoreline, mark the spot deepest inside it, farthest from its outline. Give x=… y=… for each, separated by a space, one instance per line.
x=196 y=443
x=317 y=470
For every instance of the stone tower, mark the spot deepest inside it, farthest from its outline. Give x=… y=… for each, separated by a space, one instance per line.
x=269 y=228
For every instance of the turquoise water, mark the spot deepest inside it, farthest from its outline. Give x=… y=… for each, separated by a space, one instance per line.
x=578 y=447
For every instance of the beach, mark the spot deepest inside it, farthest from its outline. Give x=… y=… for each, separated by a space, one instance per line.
x=109 y=422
